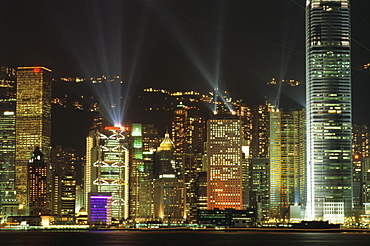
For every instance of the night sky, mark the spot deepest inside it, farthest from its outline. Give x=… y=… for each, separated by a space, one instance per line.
x=176 y=44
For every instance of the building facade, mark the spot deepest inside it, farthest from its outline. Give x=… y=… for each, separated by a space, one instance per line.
x=37 y=186
x=33 y=123
x=100 y=209
x=107 y=169
x=7 y=153
x=224 y=160
x=287 y=161
x=259 y=180
x=168 y=186
x=328 y=103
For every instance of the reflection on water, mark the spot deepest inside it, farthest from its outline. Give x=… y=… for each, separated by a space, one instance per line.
x=181 y=238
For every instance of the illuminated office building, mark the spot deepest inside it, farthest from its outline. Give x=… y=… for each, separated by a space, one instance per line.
x=107 y=168
x=8 y=77
x=245 y=114
x=365 y=198
x=37 y=186
x=360 y=152
x=68 y=195
x=64 y=181
x=259 y=178
x=151 y=141
x=100 y=210
x=260 y=131
x=169 y=198
x=151 y=138
x=201 y=190
x=361 y=140
x=224 y=160
x=63 y=195
x=287 y=161
x=169 y=189
x=193 y=164
x=64 y=160
x=137 y=170
x=33 y=123
x=328 y=103
x=187 y=132
x=358 y=180
x=7 y=154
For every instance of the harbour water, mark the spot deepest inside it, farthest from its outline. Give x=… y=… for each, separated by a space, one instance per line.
x=188 y=238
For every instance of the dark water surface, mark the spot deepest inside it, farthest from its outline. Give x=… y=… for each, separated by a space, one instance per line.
x=181 y=238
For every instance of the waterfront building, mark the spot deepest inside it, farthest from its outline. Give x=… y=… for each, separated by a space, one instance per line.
x=107 y=168
x=37 y=184
x=360 y=153
x=224 y=162
x=328 y=104
x=33 y=123
x=64 y=181
x=192 y=164
x=151 y=141
x=227 y=218
x=188 y=129
x=7 y=154
x=287 y=161
x=100 y=209
x=259 y=180
x=169 y=198
x=168 y=187
x=9 y=205
x=137 y=170
x=68 y=195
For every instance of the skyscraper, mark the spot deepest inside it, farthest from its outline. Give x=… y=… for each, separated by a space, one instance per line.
x=260 y=131
x=7 y=153
x=328 y=103
x=360 y=152
x=137 y=170
x=287 y=162
x=259 y=173
x=151 y=141
x=169 y=189
x=188 y=129
x=107 y=168
x=33 y=123
x=37 y=184
x=224 y=155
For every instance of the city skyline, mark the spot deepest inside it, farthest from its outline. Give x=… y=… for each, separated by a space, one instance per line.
x=247 y=141
x=184 y=45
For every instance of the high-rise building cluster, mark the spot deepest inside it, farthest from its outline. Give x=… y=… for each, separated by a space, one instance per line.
x=230 y=164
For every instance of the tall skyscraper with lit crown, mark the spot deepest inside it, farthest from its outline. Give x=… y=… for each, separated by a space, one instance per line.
x=107 y=168
x=33 y=123
x=328 y=103
x=36 y=183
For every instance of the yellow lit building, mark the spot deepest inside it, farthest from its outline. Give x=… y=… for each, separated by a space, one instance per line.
x=168 y=188
x=224 y=159
x=287 y=161
x=33 y=123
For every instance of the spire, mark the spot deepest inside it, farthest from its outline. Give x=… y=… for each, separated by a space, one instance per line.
x=167 y=143
x=37 y=154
